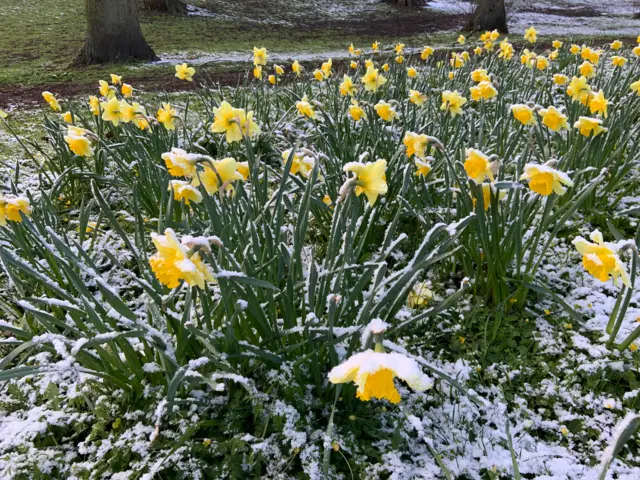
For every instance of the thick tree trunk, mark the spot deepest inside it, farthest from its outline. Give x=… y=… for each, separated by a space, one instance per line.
x=113 y=33
x=489 y=15
x=172 y=7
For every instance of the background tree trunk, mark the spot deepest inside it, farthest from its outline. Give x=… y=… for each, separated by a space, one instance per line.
x=113 y=33
x=172 y=7
x=489 y=15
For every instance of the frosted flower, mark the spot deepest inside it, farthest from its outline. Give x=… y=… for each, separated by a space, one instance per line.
x=374 y=374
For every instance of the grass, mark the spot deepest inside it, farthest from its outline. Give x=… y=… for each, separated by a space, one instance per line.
x=41 y=37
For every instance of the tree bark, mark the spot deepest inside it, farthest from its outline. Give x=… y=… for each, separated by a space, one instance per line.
x=113 y=33
x=172 y=7
x=488 y=15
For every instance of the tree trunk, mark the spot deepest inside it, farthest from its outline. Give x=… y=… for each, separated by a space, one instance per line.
x=489 y=15
x=172 y=7
x=113 y=33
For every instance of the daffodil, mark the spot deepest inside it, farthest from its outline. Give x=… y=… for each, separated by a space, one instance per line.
x=185 y=72
x=257 y=72
x=553 y=55
x=78 y=143
x=173 y=263
x=94 y=105
x=587 y=69
x=259 y=56
x=386 y=111
x=560 y=79
x=417 y=98
x=545 y=179
x=415 y=144
x=385 y=67
x=528 y=58
x=477 y=51
x=166 y=115
x=318 y=75
x=243 y=169
x=553 y=118
x=574 y=49
x=368 y=63
x=483 y=91
x=11 y=206
x=272 y=79
x=411 y=72
x=279 y=69
x=579 y=90
x=589 y=126
x=399 y=48
x=326 y=68
x=452 y=102
x=542 y=63
x=220 y=175
x=372 y=79
x=556 y=44
x=375 y=46
x=598 y=103
x=400 y=59
x=506 y=50
x=618 y=61
x=353 y=65
x=67 y=117
x=488 y=189
x=457 y=61
x=374 y=372
x=116 y=79
x=461 y=39
x=185 y=191
x=601 y=259
x=296 y=67
x=300 y=163
x=478 y=166
x=355 y=111
x=531 y=35
x=370 y=178
x=420 y=295
x=111 y=111
x=524 y=114
x=306 y=109
x=616 y=45
x=180 y=163
x=636 y=51
x=480 y=75
x=132 y=113
x=127 y=90
x=233 y=122
x=423 y=167
x=426 y=53
x=635 y=87
x=347 y=87
x=105 y=89
x=52 y=101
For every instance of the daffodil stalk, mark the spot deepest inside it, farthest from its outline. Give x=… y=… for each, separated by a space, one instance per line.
x=616 y=322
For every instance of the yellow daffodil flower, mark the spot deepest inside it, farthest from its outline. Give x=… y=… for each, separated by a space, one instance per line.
x=67 y=117
x=184 y=191
x=478 y=166
x=105 y=89
x=417 y=98
x=601 y=259
x=588 y=126
x=180 y=163
x=635 y=87
x=385 y=111
x=375 y=46
x=259 y=56
x=272 y=79
x=617 y=61
x=355 y=111
x=423 y=167
x=326 y=68
x=318 y=75
x=116 y=79
x=111 y=111
x=553 y=119
x=78 y=143
x=220 y=175
x=560 y=79
x=579 y=90
x=556 y=44
x=426 y=53
x=94 y=105
x=531 y=35
x=301 y=163
x=545 y=179
x=305 y=108
x=483 y=91
x=524 y=114
x=411 y=72
x=400 y=59
x=370 y=178
x=235 y=122
x=415 y=144
x=461 y=39
x=185 y=72
x=347 y=87
x=374 y=373
x=127 y=90
x=166 y=115
x=257 y=72
x=372 y=79
x=296 y=67
x=616 y=45
x=399 y=48
x=52 y=101
x=420 y=295
x=480 y=75
x=598 y=104
x=172 y=263
x=452 y=102
x=11 y=206
x=587 y=69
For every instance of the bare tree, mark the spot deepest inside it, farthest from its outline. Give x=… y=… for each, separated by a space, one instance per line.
x=172 y=7
x=113 y=33
x=488 y=15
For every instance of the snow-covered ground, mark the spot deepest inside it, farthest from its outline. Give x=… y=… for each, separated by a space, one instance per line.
x=613 y=17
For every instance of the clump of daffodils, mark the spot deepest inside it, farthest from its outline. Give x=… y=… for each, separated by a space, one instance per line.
x=374 y=371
